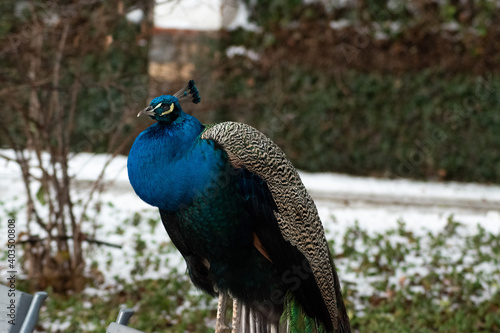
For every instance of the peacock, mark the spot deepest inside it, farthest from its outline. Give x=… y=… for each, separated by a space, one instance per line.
x=237 y=211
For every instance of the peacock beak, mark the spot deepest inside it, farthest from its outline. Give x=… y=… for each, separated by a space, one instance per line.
x=147 y=111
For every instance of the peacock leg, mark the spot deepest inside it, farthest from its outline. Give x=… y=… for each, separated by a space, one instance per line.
x=220 y=324
x=236 y=322
x=244 y=318
x=273 y=328
x=253 y=321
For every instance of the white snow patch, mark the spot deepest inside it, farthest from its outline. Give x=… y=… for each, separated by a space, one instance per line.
x=328 y=182
x=243 y=51
x=135 y=16
x=340 y=24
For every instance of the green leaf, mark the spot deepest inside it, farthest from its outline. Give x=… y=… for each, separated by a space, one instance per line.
x=40 y=195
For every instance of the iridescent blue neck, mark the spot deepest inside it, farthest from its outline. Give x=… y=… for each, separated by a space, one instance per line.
x=168 y=163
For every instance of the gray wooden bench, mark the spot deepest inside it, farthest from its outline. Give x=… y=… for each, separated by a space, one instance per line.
x=25 y=309
x=120 y=326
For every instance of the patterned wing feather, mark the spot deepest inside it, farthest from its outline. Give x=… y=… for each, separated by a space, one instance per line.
x=297 y=215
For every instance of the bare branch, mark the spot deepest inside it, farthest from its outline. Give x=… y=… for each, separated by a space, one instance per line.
x=5 y=157
x=35 y=239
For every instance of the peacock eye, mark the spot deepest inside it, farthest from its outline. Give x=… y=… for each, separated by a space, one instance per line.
x=166 y=108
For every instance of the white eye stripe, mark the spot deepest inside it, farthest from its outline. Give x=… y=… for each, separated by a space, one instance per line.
x=156 y=107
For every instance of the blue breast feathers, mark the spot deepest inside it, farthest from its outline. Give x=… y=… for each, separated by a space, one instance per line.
x=169 y=164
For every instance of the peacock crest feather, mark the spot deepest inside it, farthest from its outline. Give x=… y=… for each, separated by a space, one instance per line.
x=189 y=91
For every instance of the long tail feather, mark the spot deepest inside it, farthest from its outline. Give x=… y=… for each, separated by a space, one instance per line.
x=293 y=320
x=296 y=318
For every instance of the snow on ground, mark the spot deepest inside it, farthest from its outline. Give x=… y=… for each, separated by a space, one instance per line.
x=118 y=216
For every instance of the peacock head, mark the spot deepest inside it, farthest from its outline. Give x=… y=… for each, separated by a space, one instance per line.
x=166 y=108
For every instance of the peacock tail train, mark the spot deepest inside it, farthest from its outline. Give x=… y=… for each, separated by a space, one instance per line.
x=297 y=320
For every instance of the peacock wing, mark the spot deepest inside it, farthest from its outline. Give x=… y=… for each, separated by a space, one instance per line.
x=296 y=213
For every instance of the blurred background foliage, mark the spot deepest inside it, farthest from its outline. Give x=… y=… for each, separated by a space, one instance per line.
x=379 y=88
x=96 y=70
x=73 y=74
x=382 y=88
